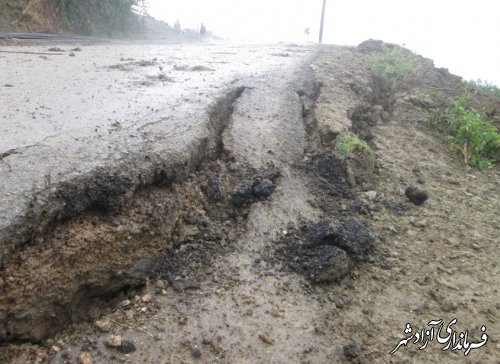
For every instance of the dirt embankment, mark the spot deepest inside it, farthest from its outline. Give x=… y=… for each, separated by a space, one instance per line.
x=276 y=248
x=39 y=16
x=112 y=19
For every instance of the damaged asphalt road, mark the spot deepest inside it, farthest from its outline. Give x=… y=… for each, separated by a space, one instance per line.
x=85 y=132
x=98 y=140
x=223 y=224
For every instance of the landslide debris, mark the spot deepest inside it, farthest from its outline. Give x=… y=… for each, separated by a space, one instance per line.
x=97 y=239
x=325 y=251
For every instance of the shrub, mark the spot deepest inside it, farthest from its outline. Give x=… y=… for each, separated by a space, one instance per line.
x=351 y=144
x=97 y=17
x=392 y=64
x=469 y=134
x=485 y=87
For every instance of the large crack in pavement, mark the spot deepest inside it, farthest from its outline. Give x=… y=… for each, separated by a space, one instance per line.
x=234 y=237
x=84 y=242
x=238 y=300
x=282 y=249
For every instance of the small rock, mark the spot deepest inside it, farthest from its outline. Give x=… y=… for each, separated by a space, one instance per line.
x=49 y=343
x=420 y=224
x=184 y=284
x=55 y=49
x=125 y=303
x=161 y=284
x=66 y=354
x=416 y=194
x=448 y=306
x=392 y=229
x=85 y=358
x=54 y=349
x=206 y=341
x=351 y=351
x=214 y=190
x=266 y=338
x=271 y=174
x=191 y=231
x=71 y=54
x=126 y=347
x=476 y=246
x=394 y=254
x=371 y=195
x=196 y=353
x=263 y=188
x=113 y=341
x=312 y=203
x=77 y=49
x=339 y=302
x=103 y=325
x=146 y=298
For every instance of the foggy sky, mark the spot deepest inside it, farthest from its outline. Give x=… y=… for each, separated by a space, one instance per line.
x=461 y=36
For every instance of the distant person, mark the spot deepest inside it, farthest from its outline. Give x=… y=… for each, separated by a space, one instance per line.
x=307 y=31
x=203 y=30
x=177 y=26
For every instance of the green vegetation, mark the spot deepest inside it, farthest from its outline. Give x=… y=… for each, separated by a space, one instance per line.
x=469 y=134
x=392 y=64
x=435 y=96
x=98 y=17
x=485 y=87
x=351 y=144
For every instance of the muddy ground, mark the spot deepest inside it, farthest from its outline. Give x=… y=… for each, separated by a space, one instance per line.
x=277 y=249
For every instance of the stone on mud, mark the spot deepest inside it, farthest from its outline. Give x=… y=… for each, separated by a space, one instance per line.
x=326 y=251
x=351 y=351
x=196 y=353
x=416 y=194
x=103 y=325
x=126 y=347
x=113 y=341
x=347 y=234
x=327 y=263
x=214 y=191
x=262 y=188
x=256 y=189
x=242 y=196
x=329 y=172
x=85 y=358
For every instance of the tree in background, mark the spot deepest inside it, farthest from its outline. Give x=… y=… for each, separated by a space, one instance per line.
x=99 y=17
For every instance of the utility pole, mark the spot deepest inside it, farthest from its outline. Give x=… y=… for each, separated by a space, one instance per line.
x=322 y=21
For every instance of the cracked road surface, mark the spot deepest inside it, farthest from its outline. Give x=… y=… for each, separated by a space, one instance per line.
x=224 y=226
x=110 y=109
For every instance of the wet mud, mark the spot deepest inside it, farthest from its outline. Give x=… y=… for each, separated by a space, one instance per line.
x=326 y=251
x=100 y=236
